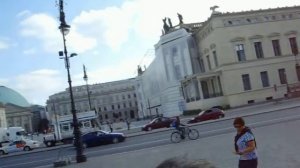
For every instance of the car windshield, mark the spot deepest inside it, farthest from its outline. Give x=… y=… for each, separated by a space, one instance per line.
x=201 y=113
x=103 y=132
x=153 y=121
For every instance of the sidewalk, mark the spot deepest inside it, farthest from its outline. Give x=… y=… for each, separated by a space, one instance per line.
x=276 y=149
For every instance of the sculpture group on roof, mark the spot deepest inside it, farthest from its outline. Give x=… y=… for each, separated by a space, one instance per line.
x=169 y=26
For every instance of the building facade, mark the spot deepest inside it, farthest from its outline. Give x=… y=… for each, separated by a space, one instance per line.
x=18 y=116
x=245 y=57
x=113 y=101
x=175 y=58
x=3 y=123
x=17 y=109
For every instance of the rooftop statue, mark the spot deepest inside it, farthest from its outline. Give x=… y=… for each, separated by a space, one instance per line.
x=170 y=23
x=166 y=27
x=180 y=18
x=213 y=9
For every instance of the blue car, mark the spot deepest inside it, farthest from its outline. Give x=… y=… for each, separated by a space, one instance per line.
x=96 y=138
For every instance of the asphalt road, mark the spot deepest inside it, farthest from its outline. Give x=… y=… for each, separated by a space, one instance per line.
x=152 y=139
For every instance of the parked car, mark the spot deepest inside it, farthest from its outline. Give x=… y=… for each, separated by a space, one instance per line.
x=100 y=137
x=159 y=122
x=22 y=145
x=210 y=114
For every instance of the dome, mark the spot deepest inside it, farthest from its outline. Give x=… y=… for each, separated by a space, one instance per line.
x=8 y=95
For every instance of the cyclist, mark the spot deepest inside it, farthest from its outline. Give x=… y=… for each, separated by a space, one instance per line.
x=178 y=126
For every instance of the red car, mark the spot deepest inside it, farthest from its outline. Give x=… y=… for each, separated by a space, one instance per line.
x=211 y=114
x=159 y=122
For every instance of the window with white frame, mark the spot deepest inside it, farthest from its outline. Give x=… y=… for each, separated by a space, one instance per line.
x=208 y=62
x=258 y=49
x=264 y=79
x=246 y=81
x=240 y=51
x=215 y=58
x=294 y=46
x=276 y=47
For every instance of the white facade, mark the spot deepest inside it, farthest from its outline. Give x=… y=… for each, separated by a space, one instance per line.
x=113 y=101
x=175 y=56
x=3 y=123
x=247 y=57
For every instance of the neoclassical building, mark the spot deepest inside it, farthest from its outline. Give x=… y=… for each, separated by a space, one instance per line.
x=175 y=57
x=245 y=57
x=113 y=101
x=17 y=109
x=3 y=122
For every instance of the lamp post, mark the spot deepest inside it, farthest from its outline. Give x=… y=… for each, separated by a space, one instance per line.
x=85 y=78
x=64 y=28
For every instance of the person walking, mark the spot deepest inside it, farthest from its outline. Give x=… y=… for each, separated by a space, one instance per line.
x=245 y=144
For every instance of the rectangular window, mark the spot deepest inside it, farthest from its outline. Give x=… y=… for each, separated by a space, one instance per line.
x=258 y=50
x=282 y=76
x=298 y=71
x=202 y=67
x=246 y=82
x=294 y=46
x=208 y=62
x=264 y=79
x=112 y=107
x=276 y=47
x=240 y=51
x=215 y=58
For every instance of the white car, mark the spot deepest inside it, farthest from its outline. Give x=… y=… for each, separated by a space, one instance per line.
x=22 y=145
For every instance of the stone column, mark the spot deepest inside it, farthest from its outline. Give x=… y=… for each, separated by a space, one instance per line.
x=200 y=88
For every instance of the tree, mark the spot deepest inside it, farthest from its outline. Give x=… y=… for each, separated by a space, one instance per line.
x=43 y=125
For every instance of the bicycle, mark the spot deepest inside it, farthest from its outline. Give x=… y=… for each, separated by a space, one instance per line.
x=191 y=133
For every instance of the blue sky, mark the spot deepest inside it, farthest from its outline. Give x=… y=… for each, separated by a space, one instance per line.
x=111 y=37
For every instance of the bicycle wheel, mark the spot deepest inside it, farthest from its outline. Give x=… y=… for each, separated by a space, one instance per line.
x=175 y=137
x=193 y=134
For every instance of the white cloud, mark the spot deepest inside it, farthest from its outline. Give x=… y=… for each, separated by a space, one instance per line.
x=45 y=28
x=119 y=70
x=23 y=13
x=3 y=45
x=30 y=51
x=3 y=81
x=36 y=86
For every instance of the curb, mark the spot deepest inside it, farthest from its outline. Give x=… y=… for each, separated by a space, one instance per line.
x=219 y=120
x=43 y=149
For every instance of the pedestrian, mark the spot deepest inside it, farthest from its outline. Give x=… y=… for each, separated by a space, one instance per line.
x=245 y=144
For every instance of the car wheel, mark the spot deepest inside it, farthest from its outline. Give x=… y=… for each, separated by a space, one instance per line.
x=84 y=145
x=2 y=152
x=115 y=140
x=49 y=144
x=149 y=129
x=27 y=148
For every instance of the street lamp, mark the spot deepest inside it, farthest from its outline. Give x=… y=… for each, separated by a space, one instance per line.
x=85 y=78
x=64 y=28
